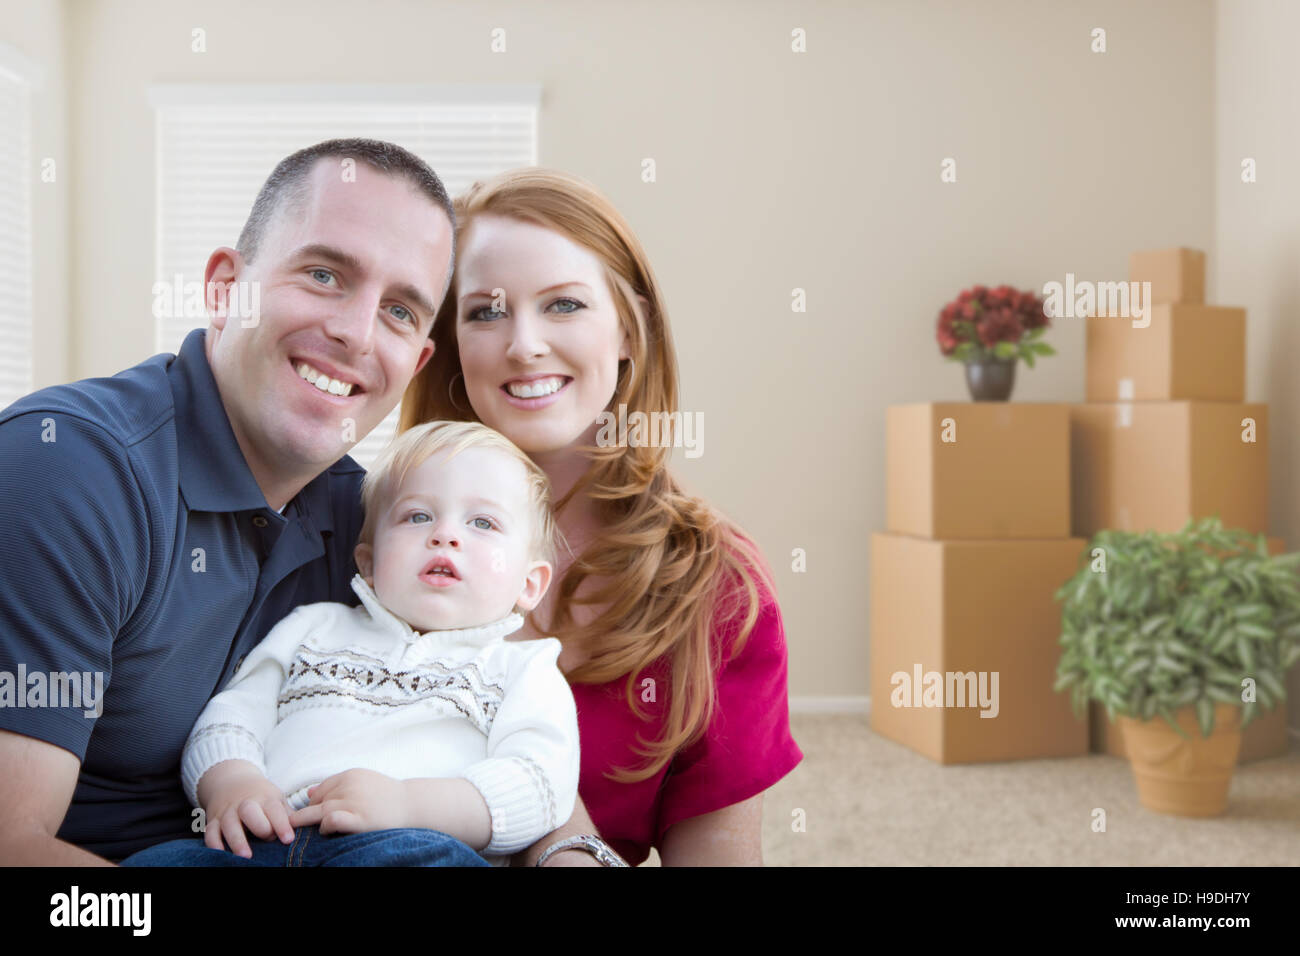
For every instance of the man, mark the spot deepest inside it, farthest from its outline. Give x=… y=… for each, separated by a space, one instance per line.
x=158 y=523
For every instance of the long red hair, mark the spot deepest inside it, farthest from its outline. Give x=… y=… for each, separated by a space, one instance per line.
x=679 y=573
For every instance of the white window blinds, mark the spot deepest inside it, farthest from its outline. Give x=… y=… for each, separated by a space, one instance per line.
x=15 y=237
x=217 y=144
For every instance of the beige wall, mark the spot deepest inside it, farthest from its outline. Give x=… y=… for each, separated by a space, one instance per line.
x=775 y=170
x=1257 y=230
x=37 y=30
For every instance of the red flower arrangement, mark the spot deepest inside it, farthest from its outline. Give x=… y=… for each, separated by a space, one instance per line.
x=984 y=323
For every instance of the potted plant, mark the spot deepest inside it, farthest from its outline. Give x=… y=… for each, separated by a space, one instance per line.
x=990 y=330
x=1177 y=633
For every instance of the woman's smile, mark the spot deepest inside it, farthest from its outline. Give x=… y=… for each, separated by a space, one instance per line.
x=535 y=391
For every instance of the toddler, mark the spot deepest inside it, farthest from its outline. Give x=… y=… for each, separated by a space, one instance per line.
x=441 y=722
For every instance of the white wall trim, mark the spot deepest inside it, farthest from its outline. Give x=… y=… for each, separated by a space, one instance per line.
x=862 y=705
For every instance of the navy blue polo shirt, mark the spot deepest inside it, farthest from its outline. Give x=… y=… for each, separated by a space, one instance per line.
x=138 y=546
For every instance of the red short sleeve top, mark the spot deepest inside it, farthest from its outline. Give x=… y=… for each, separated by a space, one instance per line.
x=746 y=748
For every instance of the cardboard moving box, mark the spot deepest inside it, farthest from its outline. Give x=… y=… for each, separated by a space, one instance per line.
x=963 y=470
x=1187 y=352
x=1176 y=275
x=960 y=629
x=1141 y=466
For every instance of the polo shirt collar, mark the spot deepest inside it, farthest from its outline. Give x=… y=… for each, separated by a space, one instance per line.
x=213 y=473
x=214 y=476
x=478 y=636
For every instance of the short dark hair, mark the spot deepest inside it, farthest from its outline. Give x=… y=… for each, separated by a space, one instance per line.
x=286 y=188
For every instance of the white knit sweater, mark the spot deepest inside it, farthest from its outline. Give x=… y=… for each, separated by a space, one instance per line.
x=333 y=687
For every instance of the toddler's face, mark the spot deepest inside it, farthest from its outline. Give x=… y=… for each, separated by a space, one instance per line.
x=452 y=548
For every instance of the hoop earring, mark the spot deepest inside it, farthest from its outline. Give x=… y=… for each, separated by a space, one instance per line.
x=450 y=397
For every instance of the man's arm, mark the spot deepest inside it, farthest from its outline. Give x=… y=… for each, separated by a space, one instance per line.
x=36 y=784
x=76 y=527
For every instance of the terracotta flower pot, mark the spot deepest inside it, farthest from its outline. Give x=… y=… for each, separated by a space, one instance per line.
x=1188 y=778
x=991 y=379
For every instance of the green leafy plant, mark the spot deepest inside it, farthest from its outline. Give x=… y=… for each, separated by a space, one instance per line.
x=1179 y=619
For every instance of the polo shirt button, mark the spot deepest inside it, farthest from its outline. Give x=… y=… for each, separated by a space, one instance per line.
x=259 y=521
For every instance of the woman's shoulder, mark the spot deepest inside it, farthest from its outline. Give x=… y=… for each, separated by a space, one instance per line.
x=747 y=577
x=746 y=745
x=745 y=588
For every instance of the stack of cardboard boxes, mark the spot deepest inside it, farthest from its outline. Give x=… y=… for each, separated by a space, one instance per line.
x=982 y=500
x=1166 y=435
x=964 y=626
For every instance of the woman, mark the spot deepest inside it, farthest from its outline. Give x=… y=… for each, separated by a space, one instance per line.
x=672 y=637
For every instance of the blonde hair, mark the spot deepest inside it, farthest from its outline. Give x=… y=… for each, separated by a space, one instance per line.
x=415 y=445
x=668 y=557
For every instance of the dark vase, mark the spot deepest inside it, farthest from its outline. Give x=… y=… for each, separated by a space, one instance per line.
x=991 y=379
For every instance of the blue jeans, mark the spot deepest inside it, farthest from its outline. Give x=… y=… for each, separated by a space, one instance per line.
x=406 y=847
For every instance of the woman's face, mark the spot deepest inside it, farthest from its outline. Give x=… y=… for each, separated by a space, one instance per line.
x=538 y=333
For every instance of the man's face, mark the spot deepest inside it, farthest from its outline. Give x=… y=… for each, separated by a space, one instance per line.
x=348 y=287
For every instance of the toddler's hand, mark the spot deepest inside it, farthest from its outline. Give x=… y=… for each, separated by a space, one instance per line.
x=355 y=801
x=234 y=794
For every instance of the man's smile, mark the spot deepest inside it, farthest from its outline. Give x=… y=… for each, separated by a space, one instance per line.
x=339 y=386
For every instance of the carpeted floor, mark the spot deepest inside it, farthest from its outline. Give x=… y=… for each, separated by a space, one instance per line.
x=868 y=801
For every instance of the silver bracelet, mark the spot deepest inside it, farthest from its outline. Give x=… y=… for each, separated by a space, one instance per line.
x=589 y=842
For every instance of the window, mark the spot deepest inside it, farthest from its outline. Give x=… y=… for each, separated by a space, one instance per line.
x=15 y=229
x=217 y=144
